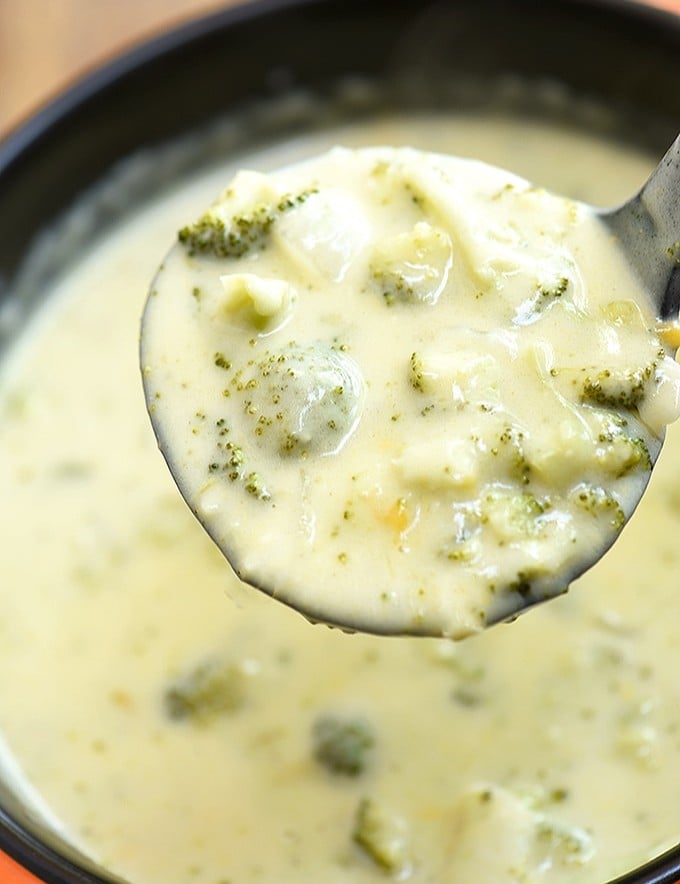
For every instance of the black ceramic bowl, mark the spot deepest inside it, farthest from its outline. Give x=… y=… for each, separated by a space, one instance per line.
x=405 y=53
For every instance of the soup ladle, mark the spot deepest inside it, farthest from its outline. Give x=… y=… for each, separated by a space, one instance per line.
x=647 y=229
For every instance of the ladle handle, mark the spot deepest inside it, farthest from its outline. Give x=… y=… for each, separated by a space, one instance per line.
x=648 y=227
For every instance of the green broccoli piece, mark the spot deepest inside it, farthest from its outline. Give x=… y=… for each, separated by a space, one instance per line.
x=343 y=745
x=394 y=286
x=383 y=836
x=206 y=693
x=291 y=201
x=302 y=401
x=514 y=514
x=211 y=236
x=625 y=389
x=566 y=845
x=230 y=461
x=599 y=502
x=543 y=297
x=625 y=453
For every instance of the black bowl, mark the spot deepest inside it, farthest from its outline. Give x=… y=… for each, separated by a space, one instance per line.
x=563 y=57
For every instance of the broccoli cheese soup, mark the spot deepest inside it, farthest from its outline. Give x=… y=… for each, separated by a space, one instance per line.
x=405 y=392
x=178 y=727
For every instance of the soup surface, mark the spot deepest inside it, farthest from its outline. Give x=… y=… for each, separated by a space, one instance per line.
x=179 y=727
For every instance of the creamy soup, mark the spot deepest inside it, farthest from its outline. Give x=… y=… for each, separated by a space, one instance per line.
x=179 y=727
x=405 y=391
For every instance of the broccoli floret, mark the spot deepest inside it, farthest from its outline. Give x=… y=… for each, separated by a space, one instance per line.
x=302 y=401
x=254 y=485
x=514 y=514
x=545 y=294
x=211 y=236
x=343 y=745
x=639 y=455
x=412 y=267
x=383 y=836
x=623 y=454
x=206 y=693
x=625 y=389
x=599 y=502
x=394 y=287
x=229 y=460
x=291 y=201
x=565 y=845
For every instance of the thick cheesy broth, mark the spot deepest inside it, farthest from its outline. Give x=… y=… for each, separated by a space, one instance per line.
x=179 y=727
x=405 y=392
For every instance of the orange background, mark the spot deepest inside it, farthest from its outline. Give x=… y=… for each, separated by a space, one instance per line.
x=45 y=45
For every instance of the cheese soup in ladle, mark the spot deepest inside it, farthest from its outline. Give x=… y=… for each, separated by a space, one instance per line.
x=405 y=392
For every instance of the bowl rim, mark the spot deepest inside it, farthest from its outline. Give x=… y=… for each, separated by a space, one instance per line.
x=87 y=85
x=34 y=124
